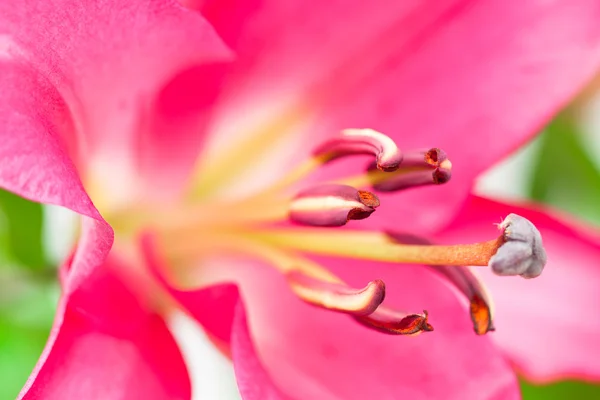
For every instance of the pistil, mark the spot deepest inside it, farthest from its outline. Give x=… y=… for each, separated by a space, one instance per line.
x=376 y=246
x=517 y=251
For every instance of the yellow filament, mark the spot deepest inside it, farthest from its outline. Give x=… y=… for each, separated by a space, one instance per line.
x=296 y=175
x=226 y=215
x=374 y=177
x=191 y=218
x=284 y=261
x=214 y=174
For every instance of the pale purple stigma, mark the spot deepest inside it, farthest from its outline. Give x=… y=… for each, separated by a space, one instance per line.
x=363 y=141
x=337 y=296
x=522 y=252
x=419 y=168
x=331 y=205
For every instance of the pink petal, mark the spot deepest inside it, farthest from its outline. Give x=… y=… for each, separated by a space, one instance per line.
x=35 y=164
x=106 y=344
x=316 y=354
x=253 y=381
x=113 y=63
x=429 y=73
x=116 y=344
x=548 y=326
x=221 y=312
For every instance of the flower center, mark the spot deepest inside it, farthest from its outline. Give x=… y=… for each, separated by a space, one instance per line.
x=281 y=225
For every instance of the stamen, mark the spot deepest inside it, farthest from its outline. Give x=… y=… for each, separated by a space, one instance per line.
x=523 y=252
x=316 y=285
x=331 y=205
x=233 y=244
x=363 y=141
x=419 y=168
x=466 y=282
x=480 y=304
x=337 y=296
x=393 y=322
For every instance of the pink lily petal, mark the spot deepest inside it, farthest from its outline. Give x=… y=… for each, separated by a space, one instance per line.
x=110 y=61
x=311 y=353
x=253 y=381
x=106 y=344
x=428 y=73
x=221 y=312
x=35 y=164
x=547 y=326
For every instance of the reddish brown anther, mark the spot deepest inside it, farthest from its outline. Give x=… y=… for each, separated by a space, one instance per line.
x=368 y=199
x=395 y=322
x=332 y=205
x=337 y=296
x=481 y=315
x=362 y=141
x=419 y=168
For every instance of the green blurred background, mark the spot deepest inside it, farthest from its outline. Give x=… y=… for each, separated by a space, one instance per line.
x=29 y=291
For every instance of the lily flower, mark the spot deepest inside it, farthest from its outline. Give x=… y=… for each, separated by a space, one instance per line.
x=281 y=171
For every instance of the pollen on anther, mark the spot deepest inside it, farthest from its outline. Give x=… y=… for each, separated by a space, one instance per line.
x=368 y=199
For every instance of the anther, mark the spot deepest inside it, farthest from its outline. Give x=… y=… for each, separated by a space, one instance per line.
x=419 y=168
x=465 y=281
x=522 y=252
x=363 y=141
x=331 y=205
x=393 y=322
x=337 y=296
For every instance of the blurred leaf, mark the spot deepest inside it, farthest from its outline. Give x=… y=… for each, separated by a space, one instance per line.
x=560 y=391
x=21 y=230
x=19 y=351
x=24 y=328
x=28 y=292
x=564 y=175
